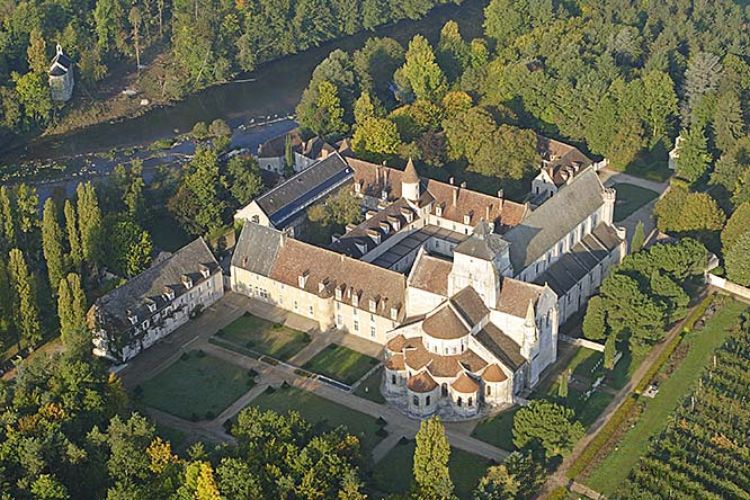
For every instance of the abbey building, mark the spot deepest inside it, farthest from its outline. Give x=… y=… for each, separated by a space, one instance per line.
x=465 y=291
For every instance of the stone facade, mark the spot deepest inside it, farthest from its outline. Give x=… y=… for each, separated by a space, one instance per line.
x=60 y=76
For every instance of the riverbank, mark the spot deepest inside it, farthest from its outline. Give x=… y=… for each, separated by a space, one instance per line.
x=272 y=89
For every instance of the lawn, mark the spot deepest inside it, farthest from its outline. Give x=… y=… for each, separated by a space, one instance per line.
x=614 y=469
x=341 y=363
x=630 y=198
x=393 y=474
x=322 y=412
x=196 y=386
x=264 y=337
x=370 y=387
x=497 y=430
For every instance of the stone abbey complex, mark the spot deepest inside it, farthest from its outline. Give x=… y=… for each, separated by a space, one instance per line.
x=465 y=291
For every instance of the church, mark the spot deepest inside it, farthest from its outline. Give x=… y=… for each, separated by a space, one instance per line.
x=466 y=291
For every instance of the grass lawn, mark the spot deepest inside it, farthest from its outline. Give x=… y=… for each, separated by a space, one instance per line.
x=497 y=430
x=175 y=437
x=614 y=469
x=196 y=386
x=263 y=336
x=166 y=232
x=370 y=387
x=393 y=474
x=341 y=363
x=630 y=198
x=651 y=165
x=322 y=412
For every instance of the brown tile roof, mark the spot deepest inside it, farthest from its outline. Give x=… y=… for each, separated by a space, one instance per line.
x=395 y=362
x=276 y=146
x=410 y=173
x=503 y=347
x=445 y=324
x=449 y=366
x=324 y=271
x=431 y=274
x=396 y=344
x=470 y=305
x=563 y=160
x=504 y=213
x=494 y=373
x=515 y=296
x=465 y=384
x=421 y=382
x=417 y=356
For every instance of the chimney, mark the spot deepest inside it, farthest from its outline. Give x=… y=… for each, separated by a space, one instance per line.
x=500 y=193
x=463 y=185
x=451 y=180
x=487 y=212
x=455 y=197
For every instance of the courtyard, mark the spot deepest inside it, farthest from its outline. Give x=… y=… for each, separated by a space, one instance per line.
x=341 y=363
x=630 y=198
x=264 y=337
x=196 y=387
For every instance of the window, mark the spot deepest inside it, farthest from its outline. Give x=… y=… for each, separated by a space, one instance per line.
x=393 y=378
x=356 y=325
x=372 y=318
x=471 y=402
x=489 y=390
x=372 y=331
x=296 y=306
x=339 y=320
x=444 y=389
x=312 y=312
x=460 y=401
x=338 y=306
x=453 y=350
x=427 y=400
x=415 y=400
x=145 y=324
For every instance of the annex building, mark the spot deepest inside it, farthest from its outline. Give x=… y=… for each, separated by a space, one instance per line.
x=465 y=291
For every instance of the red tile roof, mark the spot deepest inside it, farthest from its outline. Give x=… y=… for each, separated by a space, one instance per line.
x=421 y=383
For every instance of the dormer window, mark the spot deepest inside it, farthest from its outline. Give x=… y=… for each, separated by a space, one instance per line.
x=145 y=324
x=439 y=210
x=467 y=218
x=385 y=227
x=132 y=318
x=339 y=293
x=408 y=215
x=205 y=271
x=355 y=299
x=394 y=313
x=357 y=187
x=373 y=305
x=374 y=235
x=168 y=294
x=187 y=281
x=151 y=306
x=302 y=279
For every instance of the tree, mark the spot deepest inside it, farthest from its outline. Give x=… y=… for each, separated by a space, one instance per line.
x=375 y=138
x=420 y=70
x=89 y=223
x=47 y=487
x=727 y=122
x=737 y=225
x=6 y=305
x=504 y=20
x=595 y=322
x=610 y=352
x=110 y=24
x=630 y=308
x=34 y=96
x=638 y=238
x=289 y=160
x=236 y=480
x=732 y=172
x=659 y=104
x=219 y=128
x=550 y=425
x=8 y=215
x=25 y=307
x=52 y=244
x=27 y=210
x=73 y=235
x=682 y=211
x=701 y=77
x=694 y=158
x=736 y=260
x=36 y=53
x=71 y=309
x=129 y=247
x=375 y=64
x=135 y=19
x=453 y=53
x=366 y=107
x=497 y=484
x=244 y=178
x=431 y=455
x=562 y=388
x=325 y=116
x=130 y=185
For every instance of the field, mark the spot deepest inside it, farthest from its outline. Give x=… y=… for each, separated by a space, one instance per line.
x=393 y=474
x=610 y=474
x=497 y=430
x=196 y=387
x=264 y=337
x=341 y=363
x=320 y=411
x=630 y=198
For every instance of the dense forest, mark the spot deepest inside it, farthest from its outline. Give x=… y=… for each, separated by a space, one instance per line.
x=199 y=42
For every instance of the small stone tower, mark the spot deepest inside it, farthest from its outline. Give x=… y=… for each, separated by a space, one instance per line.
x=60 y=76
x=410 y=183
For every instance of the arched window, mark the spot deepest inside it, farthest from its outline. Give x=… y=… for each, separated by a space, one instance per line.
x=471 y=402
x=427 y=401
x=459 y=401
x=444 y=390
x=393 y=378
x=415 y=400
x=489 y=390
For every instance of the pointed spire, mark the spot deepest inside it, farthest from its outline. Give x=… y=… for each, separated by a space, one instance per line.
x=410 y=173
x=530 y=315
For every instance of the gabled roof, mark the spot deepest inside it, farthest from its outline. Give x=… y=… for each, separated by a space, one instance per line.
x=257 y=248
x=515 y=296
x=470 y=305
x=132 y=298
x=296 y=193
x=430 y=273
x=359 y=241
x=502 y=346
x=465 y=384
x=554 y=219
x=422 y=382
x=483 y=243
x=445 y=324
x=60 y=64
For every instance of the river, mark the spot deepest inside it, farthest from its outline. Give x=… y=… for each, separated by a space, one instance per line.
x=272 y=89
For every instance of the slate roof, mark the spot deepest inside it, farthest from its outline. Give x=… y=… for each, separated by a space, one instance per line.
x=276 y=146
x=554 y=219
x=298 y=192
x=60 y=64
x=470 y=305
x=383 y=224
x=502 y=346
x=483 y=243
x=573 y=266
x=151 y=285
x=257 y=248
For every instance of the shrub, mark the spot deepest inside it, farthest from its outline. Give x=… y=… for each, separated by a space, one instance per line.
x=220 y=332
x=219 y=128
x=277 y=326
x=200 y=131
x=285 y=385
x=252 y=373
x=227 y=425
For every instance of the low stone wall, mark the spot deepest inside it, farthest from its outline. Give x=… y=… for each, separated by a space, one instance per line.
x=729 y=287
x=588 y=344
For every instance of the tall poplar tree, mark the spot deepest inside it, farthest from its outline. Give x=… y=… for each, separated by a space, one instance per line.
x=6 y=305
x=421 y=71
x=27 y=211
x=431 y=456
x=26 y=310
x=89 y=223
x=52 y=237
x=71 y=309
x=8 y=216
x=73 y=234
